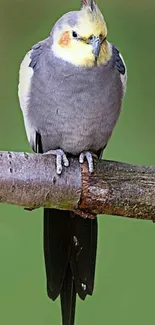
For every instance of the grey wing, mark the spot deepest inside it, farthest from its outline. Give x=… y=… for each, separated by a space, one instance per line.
x=29 y=65
x=121 y=67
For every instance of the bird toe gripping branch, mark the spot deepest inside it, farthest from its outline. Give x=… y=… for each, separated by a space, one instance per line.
x=61 y=159
x=89 y=157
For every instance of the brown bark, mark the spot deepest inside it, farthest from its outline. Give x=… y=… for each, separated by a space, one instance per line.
x=120 y=189
x=30 y=180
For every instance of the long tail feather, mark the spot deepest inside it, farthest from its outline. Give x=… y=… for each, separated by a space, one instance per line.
x=70 y=244
x=83 y=257
x=68 y=299
x=57 y=249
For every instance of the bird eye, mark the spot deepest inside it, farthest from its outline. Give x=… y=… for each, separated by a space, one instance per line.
x=91 y=37
x=102 y=38
x=74 y=34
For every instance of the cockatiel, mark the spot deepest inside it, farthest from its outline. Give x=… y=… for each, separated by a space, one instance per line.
x=70 y=90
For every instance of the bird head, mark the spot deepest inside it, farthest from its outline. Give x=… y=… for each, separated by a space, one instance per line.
x=80 y=37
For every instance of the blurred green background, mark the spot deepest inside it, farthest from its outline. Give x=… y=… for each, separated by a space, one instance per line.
x=125 y=286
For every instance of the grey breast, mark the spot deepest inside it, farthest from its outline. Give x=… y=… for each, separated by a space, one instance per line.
x=73 y=108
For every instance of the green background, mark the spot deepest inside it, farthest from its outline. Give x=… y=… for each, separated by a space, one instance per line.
x=125 y=287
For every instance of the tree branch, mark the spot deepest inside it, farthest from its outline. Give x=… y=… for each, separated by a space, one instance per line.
x=30 y=180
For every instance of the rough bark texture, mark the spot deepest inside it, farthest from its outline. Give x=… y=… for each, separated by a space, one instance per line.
x=30 y=180
x=119 y=189
x=115 y=188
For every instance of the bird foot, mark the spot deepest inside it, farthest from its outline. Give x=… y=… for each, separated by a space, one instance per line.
x=89 y=157
x=61 y=159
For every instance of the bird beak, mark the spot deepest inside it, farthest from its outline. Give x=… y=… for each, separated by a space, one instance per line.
x=96 y=44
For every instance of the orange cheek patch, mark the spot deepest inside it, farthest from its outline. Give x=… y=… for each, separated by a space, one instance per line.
x=65 y=39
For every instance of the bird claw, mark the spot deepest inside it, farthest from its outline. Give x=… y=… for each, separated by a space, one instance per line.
x=89 y=157
x=61 y=159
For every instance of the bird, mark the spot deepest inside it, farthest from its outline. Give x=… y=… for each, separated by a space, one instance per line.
x=71 y=89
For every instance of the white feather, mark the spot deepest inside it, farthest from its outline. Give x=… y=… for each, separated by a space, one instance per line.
x=123 y=76
x=24 y=86
x=25 y=76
